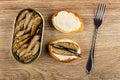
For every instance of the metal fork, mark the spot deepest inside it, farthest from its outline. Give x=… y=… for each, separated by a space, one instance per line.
x=97 y=22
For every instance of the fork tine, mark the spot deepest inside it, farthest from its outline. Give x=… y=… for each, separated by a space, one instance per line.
x=98 y=9
x=102 y=12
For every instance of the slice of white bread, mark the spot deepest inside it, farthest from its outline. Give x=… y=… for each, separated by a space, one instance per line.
x=67 y=21
x=61 y=54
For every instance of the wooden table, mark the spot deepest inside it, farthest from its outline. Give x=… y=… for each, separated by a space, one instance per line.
x=107 y=52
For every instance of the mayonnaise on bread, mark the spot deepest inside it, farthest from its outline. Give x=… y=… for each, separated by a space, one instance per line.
x=67 y=22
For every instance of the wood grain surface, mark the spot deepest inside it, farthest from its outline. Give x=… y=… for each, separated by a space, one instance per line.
x=107 y=52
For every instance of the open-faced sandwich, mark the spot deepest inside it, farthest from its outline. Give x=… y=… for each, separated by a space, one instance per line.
x=67 y=21
x=64 y=50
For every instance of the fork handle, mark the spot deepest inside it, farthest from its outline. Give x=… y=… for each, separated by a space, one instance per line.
x=90 y=62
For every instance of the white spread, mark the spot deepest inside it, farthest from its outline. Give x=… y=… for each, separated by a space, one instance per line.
x=67 y=21
x=62 y=57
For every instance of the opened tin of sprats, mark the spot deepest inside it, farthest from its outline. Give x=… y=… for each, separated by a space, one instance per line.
x=27 y=36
